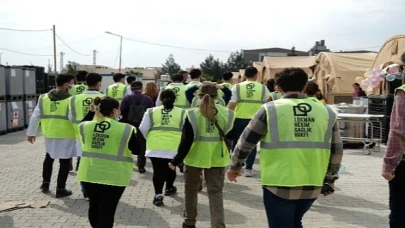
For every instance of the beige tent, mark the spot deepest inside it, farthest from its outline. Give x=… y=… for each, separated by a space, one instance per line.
x=261 y=68
x=276 y=64
x=336 y=72
x=391 y=50
x=236 y=78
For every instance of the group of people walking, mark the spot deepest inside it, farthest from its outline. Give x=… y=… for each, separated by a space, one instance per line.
x=195 y=127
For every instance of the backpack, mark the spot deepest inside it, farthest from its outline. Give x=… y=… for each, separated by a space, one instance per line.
x=136 y=113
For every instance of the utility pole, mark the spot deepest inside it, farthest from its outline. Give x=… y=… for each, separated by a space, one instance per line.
x=119 y=68
x=94 y=56
x=61 y=61
x=0 y=57
x=54 y=49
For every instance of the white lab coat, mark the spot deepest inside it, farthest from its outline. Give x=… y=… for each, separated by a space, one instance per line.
x=56 y=148
x=78 y=144
x=144 y=127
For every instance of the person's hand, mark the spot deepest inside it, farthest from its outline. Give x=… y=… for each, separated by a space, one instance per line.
x=329 y=193
x=31 y=139
x=233 y=174
x=171 y=166
x=388 y=176
x=218 y=86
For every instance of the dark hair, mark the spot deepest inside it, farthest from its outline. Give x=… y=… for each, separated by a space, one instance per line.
x=130 y=79
x=227 y=76
x=207 y=93
x=183 y=72
x=104 y=106
x=118 y=77
x=93 y=79
x=312 y=88
x=168 y=97
x=177 y=77
x=291 y=79
x=357 y=84
x=61 y=79
x=271 y=83
x=251 y=72
x=195 y=73
x=137 y=85
x=81 y=76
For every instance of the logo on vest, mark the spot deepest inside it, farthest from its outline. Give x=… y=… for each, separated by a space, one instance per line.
x=114 y=91
x=302 y=123
x=98 y=139
x=86 y=103
x=54 y=106
x=176 y=90
x=250 y=90
x=165 y=117
x=80 y=89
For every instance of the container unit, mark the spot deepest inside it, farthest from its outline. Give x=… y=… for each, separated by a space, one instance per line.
x=40 y=80
x=3 y=117
x=29 y=106
x=50 y=82
x=2 y=83
x=14 y=83
x=15 y=115
x=380 y=104
x=29 y=82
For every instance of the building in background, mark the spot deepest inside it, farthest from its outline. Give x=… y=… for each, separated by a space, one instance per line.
x=319 y=46
x=257 y=55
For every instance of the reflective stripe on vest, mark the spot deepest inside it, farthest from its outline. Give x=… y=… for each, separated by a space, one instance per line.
x=55 y=116
x=197 y=137
x=239 y=100
x=275 y=96
x=162 y=128
x=121 y=148
x=277 y=144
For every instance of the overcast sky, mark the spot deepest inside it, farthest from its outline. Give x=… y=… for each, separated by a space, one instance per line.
x=221 y=25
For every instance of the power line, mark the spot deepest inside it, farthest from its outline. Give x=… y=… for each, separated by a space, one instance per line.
x=22 y=53
x=26 y=30
x=70 y=47
x=49 y=47
x=171 y=46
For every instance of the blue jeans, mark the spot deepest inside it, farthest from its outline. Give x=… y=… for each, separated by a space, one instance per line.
x=239 y=127
x=283 y=213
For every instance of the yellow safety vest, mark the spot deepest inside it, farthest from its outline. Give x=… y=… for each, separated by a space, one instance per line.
x=296 y=149
x=166 y=128
x=117 y=91
x=208 y=149
x=79 y=106
x=276 y=95
x=78 y=89
x=226 y=84
x=106 y=158
x=250 y=96
x=400 y=88
x=55 y=122
x=180 y=90
x=196 y=102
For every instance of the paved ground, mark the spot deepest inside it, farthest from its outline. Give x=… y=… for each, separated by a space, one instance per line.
x=360 y=200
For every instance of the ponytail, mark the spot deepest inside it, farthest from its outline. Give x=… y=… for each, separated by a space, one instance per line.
x=168 y=97
x=207 y=107
x=104 y=106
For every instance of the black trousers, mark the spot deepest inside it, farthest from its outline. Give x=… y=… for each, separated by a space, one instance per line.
x=397 y=197
x=162 y=174
x=63 y=171
x=103 y=202
x=141 y=162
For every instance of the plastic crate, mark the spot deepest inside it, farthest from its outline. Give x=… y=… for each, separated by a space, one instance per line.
x=380 y=105
x=2 y=81
x=50 y=82
x=14 y=81
x=29 y=106
x=29 y=80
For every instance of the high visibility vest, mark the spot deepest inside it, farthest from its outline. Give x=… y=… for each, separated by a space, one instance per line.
x=250 y=96
x=192 y=84
x=226 y=84
x=166 y=128
x=196 y=102
x=106 y=158
x=117 y=91
x=208 y=148
x=276 y=95
x=400 y=88
x=55 y=122
x=78 y=89
x=79 y=107
x=296 y=149
x=180 y=90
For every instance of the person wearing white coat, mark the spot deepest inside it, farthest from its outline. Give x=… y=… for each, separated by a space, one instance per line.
x=56 y=148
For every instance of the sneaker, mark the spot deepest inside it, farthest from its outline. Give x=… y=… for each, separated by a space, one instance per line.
x=85 y=196
x=170 y=192
x=181 y=168
x=187 y=226
x=44 y=187
x=158 y=200
x=141 y=170
x=248 y=173
x=63 y=193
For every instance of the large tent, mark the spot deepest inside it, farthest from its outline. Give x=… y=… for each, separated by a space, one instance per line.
x=261 y=68
x=336 y=72
x=276 y=64
x=391 y=50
